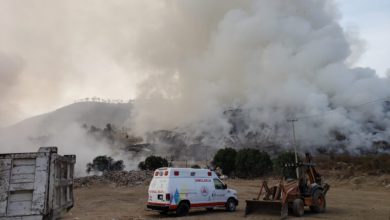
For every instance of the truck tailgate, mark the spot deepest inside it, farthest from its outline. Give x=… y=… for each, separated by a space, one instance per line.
x=28 y=183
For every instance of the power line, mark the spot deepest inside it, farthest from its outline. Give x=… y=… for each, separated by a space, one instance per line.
x=346 y=107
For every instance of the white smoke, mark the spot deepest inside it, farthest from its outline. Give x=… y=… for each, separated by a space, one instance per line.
x=228 y=72
x=274 y=60
x=10 y=68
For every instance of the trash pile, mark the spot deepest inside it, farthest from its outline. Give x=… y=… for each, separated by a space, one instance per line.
x=118 y=178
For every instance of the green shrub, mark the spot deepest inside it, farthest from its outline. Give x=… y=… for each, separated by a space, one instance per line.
x=251 y=163
x=105 y=163
x=287 y=157
x=142 y=165
x=152 y=163
x=225 y=159
x=195 y=166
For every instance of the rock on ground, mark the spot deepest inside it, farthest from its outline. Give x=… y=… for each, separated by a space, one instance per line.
x=118 y=178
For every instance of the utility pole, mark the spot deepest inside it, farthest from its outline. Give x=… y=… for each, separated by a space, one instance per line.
x=292 y=121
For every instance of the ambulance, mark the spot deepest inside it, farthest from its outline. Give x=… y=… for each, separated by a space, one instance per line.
x=181 y=189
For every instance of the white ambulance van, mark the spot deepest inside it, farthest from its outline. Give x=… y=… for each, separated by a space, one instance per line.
x=181 y=189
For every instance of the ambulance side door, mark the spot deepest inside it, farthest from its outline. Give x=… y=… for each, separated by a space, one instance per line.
x=219 y=193
x=205 y=188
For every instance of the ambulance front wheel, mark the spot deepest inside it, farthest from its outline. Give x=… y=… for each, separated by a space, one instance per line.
x=231 y=205
x=183 y=208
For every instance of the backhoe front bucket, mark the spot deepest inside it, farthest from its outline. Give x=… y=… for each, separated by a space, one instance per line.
x=263 y=206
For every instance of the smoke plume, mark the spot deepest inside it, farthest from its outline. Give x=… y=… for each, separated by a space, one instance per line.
x=10 y=68
x=219 y=74
x=267 y=61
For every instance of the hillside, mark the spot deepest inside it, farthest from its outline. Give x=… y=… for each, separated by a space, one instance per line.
x=90 y=113
x=64 y=128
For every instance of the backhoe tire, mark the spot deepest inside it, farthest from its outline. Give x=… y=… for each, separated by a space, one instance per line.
x=319 y=202
x=182 y=209
x=298 y=207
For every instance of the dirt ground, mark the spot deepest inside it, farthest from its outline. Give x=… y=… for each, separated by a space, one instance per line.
x=343 y=202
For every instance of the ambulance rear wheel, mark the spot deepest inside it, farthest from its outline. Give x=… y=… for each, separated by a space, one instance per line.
x=231 y=205
x=182 y=209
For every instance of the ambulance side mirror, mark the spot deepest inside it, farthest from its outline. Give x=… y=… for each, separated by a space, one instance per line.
x=224 y=186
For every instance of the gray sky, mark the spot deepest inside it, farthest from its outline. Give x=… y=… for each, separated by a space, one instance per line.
x=371 y=19
x=55 y=52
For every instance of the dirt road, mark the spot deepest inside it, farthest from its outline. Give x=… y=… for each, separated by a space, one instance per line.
x=109 y=202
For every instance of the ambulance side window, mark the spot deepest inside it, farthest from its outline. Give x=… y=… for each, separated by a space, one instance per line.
x=218 y=184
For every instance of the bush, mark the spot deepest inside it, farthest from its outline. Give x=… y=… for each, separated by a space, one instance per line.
x=105 y=163
x=252 y=163
x=142 y=165
x=225 y=159
x=195 y=166
x=282 y=159
x=152 y=163
x=372 y=164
